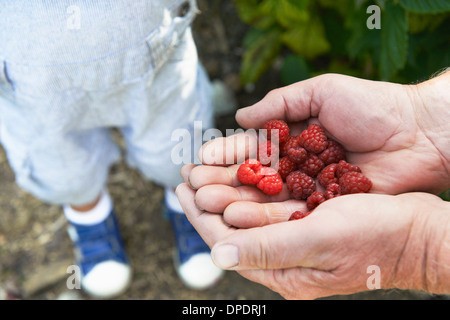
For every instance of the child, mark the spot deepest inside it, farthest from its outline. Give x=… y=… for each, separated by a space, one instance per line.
x=70 y=71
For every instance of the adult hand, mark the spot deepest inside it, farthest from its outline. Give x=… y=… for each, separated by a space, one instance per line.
x=398 y=134
x=332 y=250
x=327 y=252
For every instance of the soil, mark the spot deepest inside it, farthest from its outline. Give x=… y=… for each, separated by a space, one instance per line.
x=35 y=249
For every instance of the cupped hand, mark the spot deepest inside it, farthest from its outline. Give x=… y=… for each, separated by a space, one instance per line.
x=333 y=251
x=329 y=252
x=376 y=122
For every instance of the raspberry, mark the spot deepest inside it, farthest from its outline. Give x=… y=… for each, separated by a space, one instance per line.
x=300 y=185
x=286 y=166
x=354 y=182
x=249 y=172
x=267 y=153
x=296 y=215
x=280 y=126
x=312 y=165
x=306 y=159
x=314 y=139
x=291 y=142
x=334 y=153
x=265 y=178
x=271 y=184
x=298 y=155
x=314 y=200
x=333 y=191
x=344 y=167
x=327 y=175
x=294 y=150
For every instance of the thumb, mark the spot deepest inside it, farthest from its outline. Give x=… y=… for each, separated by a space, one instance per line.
x=281 y=245
x=291 y=103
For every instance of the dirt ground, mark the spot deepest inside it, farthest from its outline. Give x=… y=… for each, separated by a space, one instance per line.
x=35 y=249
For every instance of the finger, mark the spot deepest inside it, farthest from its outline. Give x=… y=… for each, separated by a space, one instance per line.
x=216 y=197
x=248 y=214
x=292 y=103
x=210 y=226
x=230 y=150
x=185 y=172
x=205 y=175
x=280 y=245
x=297 y=283
x=313 y=241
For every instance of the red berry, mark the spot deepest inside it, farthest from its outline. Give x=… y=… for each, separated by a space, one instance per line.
x=297 y=215
x=314 y=139
x=291 y=142
x=249 y=172
x=279 y=125
x=354 y=182
x=344 y=167
x=268 y=153
x=271 y=184
x=300 y=185
x=312 y=165
x=334 y=153
x=286 y=166
x=305 y=160
x=333 y=191
x=327 y=175
x=314 y=200
x=297 y=154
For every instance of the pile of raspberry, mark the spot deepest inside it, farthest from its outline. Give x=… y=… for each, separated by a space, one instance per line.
x=313 y=166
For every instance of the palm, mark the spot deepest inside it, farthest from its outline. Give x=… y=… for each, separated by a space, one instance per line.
x=379 y=132
x=380 y=127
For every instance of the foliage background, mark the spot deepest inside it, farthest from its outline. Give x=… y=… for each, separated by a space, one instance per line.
x=306 y=38
x=312 y=37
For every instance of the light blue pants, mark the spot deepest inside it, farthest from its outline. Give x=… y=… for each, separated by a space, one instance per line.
x=59 y=102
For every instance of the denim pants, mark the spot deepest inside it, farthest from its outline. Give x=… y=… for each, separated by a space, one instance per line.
x=79 y=68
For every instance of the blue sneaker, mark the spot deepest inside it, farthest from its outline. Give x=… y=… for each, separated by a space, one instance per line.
x=101 y=257
x=192 y=256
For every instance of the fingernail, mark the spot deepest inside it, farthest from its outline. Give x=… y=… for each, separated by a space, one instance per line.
x=189 y=183
x=198 y=207
x=225 y=256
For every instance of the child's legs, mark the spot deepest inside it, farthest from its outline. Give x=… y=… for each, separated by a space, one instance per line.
x=71 y=168
x=65 y=157
x=87 y=207
x=178 y=95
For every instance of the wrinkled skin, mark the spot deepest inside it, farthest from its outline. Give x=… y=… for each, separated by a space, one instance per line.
x=398 y=135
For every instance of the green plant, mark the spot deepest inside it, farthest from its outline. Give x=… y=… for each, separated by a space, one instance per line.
x=445 y=195
x=312 y=37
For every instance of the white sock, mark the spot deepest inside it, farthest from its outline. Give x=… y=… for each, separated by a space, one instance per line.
x=172 y=200
x=96 y=215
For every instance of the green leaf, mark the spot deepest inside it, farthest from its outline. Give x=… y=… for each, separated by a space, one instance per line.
x=424 y=22
x=426 y=54
x=426 y=6
x=381 y=3
x=362 y=40
x=294 y=69
x=445 y=195
x=341 y=6
x=336 y=33
x=260 y=14
x=394 y=40
x=261 y=54
x=359 y=3
x=307 y=39
x=252 y=35
x=289 y=12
